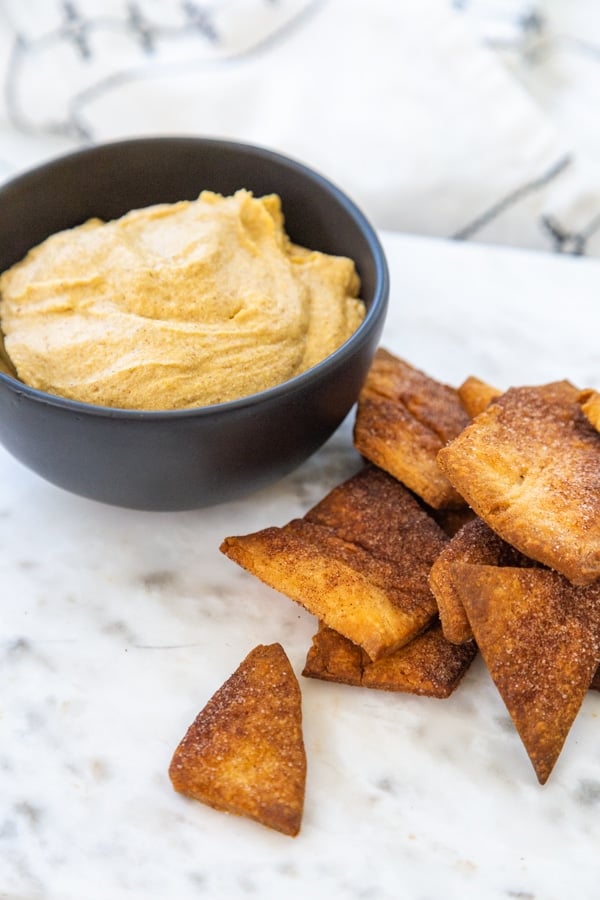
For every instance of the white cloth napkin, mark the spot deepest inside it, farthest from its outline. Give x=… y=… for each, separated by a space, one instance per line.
x=416 y=109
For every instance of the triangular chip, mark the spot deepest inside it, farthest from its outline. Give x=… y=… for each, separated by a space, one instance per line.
x=358 y=561
x=244 y=753
x=595 y=685
x=590 y=405
x=529 y=465
x=474 y=543
x=540 y=639
x=476 y=395
x=403 y=419
x=429 y=665
x=341 y=583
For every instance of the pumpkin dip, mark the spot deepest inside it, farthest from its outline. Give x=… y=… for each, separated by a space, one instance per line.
x=175 y=306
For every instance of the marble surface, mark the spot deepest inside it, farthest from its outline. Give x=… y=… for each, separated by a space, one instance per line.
x=117 y=626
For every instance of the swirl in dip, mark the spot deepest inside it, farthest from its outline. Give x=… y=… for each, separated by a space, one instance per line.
x=175 y=306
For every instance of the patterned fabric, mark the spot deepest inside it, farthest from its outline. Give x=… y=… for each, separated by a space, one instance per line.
x=467 y=119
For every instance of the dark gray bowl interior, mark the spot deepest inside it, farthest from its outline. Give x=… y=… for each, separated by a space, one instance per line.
x=191 y=458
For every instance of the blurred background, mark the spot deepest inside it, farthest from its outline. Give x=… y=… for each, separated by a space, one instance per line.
x=465 y=119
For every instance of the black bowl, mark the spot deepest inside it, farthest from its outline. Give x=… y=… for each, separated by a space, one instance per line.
x=195 y=457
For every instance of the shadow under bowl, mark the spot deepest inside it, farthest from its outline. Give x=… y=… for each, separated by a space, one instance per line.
x=186 y=459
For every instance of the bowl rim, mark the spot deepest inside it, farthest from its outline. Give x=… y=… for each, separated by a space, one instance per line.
x=293 y=385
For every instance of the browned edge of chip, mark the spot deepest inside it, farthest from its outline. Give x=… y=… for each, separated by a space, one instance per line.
x=403 y=419
x=244 y=753
x=590 y=405
x=332 y=657
x=540 y=639
x=476 y=395
x=475 y=543
x=429 y=665
x=529 y=466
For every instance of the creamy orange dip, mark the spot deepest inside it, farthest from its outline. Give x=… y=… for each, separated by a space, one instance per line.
x=175 y=306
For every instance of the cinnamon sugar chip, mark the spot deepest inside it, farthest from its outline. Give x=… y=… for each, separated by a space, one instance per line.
x=403 y=419
x=476 y=395
x=529 y=465
x=475 y=524
x=332 y=657
x=373 y=510
x=359 y=561
x=539 y=636
x=244 y=753
x=590 y=405
x=429 y=665
x=474 y=543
